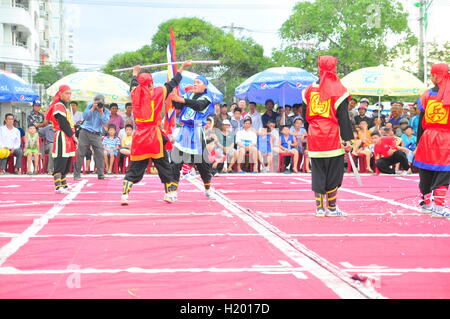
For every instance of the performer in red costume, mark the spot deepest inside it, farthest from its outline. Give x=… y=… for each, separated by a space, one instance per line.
x=65 y=142
x=148 y=139
x=325 y=106
x=433 y=149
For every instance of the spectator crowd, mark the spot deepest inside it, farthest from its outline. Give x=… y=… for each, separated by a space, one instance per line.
x=238 y=138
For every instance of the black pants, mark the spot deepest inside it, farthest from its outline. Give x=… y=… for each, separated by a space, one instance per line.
x=202 y=165
x=61 y=164
x=136 y=171
x=384 y=164
x=430 y=180
x=327 y=173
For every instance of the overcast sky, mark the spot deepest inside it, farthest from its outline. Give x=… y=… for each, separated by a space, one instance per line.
x=105 y=27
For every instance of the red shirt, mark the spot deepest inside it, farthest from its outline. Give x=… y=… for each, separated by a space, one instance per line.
x=387 y=143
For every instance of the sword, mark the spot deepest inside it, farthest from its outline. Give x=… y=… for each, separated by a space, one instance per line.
x=166 y=64
x=355 y=170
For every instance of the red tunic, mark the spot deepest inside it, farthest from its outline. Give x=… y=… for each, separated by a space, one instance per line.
x=324 y=138
x=147 y=138
x=68 y=144
x=433 y=150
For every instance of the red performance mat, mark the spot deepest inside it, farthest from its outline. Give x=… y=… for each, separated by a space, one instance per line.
x=256 y=238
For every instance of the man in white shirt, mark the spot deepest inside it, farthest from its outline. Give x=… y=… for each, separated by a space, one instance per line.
x=255 y=116
x=10 y=139
x=77 y=117
x=246 y=140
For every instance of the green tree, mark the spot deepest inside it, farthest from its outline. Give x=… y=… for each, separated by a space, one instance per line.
x=47 y=74
x=358 y=32
x=199 y=40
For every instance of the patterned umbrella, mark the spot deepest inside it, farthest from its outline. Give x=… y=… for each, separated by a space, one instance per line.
x=86 y=85
x=14 y=89
x=281 y=84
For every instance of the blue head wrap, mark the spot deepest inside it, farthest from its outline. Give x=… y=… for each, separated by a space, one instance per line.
x=203 y=79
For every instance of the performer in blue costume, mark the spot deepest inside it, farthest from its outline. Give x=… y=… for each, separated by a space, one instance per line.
x=190 y=145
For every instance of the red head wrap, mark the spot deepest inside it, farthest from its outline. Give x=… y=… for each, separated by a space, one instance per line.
x=56 y=99
x=443 y=82
x=330 y=85
x=141 y=94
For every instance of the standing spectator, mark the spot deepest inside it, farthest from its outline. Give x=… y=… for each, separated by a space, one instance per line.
x=36 y=117
x=265 y=150
x=377 y=113
x=237 y=122
x=288 y=145
x=269 y=114
x=243 y=106
x=128 y=115
x=232 y=107
x=95 y=116
x=246 y=140
x=48 y=133
x=410 y=143
x=387 y=153
x=352 y=109
x=414 y=120
x=77 y=117
x=362 y=114
x=396 y=114
x=255 y=116
x=283 y=119
x=17 y=126
x=115 y=118
x=223 y=115
x=10 y=139
x=31 y=149
x=111 y=145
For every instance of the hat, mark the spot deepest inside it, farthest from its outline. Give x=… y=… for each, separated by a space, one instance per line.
x=362 y=107
x=99 y=97
x=226 y=122
x=403 y=120
x=36 y=103
x=364 y=99
x=224 y=105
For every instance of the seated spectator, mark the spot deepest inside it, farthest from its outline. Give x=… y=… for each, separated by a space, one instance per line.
x=377 y=125
x=237 y=122
x=288 y=146
x=255 y=116
x=410 y=143
x=225 y=143
x=396 y=114
x=404 y=123
x=265 y=151
x=128 y=115
x=17 y=126
x=48 y=134
x=283 y=117
x=111 y=145
x=125 y=143
x=363 y=144
x=10 y=139
x=387 y=154
x=215 y=157
x=31 y=149
x=122 y=132
x=299 y=133
x=297 y=109
x=274 y=136
x=246 y=140
x=269 y=114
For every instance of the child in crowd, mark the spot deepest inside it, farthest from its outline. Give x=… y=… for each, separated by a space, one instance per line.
x=288 y=145
x=111 y=145
x=32 y=147
x=410 y=143
x=125 y=144
x=265 y=151
x=215 y=156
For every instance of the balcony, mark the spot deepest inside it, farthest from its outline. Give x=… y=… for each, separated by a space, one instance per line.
x=16 y=54
x=16 y=16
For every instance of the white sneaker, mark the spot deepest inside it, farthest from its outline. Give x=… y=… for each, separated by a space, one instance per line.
x=62 y=191
x=320 y=212
x=427 y=208
x=169 y=197
x=208 y=193
x=124 y=200
x=440 y=212
x=336 y=213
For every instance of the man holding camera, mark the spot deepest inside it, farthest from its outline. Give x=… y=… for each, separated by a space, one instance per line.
x=95 y=117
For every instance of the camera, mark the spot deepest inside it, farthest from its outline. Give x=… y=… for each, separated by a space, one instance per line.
x=100 y=105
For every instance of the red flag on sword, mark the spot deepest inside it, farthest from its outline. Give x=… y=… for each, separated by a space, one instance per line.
x=169 y=116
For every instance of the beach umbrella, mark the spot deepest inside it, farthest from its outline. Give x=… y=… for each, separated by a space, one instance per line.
x=86 y=85
x=159 y=78
x=15 y=89
x=281 y=84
